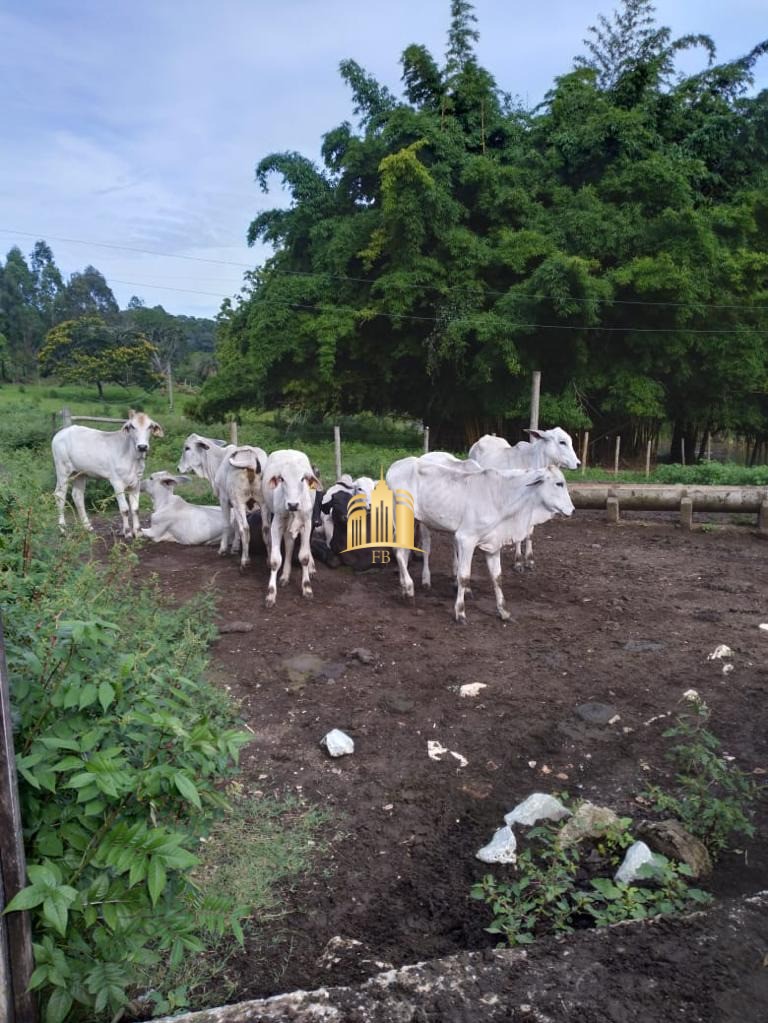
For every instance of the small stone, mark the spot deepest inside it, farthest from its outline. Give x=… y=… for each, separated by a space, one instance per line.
x=635 y=857
x=471 y=688
x=719 y=652
x=362 y=654
x=596 y=713
x=763 y=627
x=588 y=821
x=236 y=627
x=642 y=646
x=672 y=840
x=500 y=849
x=338 y=743
x=537 y=807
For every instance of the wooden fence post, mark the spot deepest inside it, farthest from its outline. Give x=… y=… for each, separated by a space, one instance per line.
x=426 y=439
x=616 y=456
x=535 y=392
x=337 y=450
x=584 y=452
x=66 y=417
x=16 y=962
x=682 y=451
x=233 y=432
x=648 y=459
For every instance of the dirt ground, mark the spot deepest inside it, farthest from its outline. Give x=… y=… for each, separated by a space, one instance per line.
x=621 y=615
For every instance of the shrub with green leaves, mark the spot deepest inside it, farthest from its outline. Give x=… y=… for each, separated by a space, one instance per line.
x=121 y=749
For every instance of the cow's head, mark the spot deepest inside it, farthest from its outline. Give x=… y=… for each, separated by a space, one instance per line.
x=557 y=447
x=552 y=492
x=140 y=428
x=192 y=454
x=294 y=486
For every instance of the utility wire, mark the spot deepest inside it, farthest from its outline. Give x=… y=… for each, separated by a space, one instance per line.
x=368 y=280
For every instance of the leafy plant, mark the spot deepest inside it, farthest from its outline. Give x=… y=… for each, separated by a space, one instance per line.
x=713 y=797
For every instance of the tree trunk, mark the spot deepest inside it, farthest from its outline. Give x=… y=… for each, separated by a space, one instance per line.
x=101 y=389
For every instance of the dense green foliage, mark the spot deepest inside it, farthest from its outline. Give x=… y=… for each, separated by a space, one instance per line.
x=35 y=298
x=613 y=237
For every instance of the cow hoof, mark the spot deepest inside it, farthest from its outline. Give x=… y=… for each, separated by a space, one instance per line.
x=282 y=582
x=307 y=593
x=503 y=614
x=529 y=566
x=519 y=567
x=270 y=599
x=426 y=586
x=461 y=619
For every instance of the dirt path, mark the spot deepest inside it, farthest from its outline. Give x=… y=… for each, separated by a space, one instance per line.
x=622 y=615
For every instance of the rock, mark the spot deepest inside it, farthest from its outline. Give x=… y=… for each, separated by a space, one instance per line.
x=672 y=840
x=500 y=849
x=338 y=949
x=642 y=646
x=338 y=743
x=362 y=654
x=763 y=627
x=235 y=627
x=537 y=807
x=719 y=652
x=635 y=857
x=471 y=688
x=596 y=713
x=588 y=821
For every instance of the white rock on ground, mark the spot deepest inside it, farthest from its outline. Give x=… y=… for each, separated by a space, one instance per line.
x=471 y=688
x=338 y=743
x=635 y=857
x=537 y=807
x=500 y=849
x=763 y=627
x=719 y=652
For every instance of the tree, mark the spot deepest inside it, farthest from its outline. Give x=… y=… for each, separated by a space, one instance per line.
x=87 y=294
x=92 y=351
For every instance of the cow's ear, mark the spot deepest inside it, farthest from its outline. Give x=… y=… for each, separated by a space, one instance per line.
x=131 y=413
x=169 y=481
x=201 y=445
x=156 y=430
x=274 y=481
x=314 y=483
x=536 y=434
x=538 y=481
x=128 y=426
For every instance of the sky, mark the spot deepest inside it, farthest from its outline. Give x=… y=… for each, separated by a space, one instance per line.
x=130 y=130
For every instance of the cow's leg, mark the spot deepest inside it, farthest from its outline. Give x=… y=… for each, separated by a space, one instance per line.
x=242 y=533
x=406 y=583
x=60 y=494
x=465 y=551
x=290 y=541
x=226 y=513
x=306 y=561
x=78 y=498
x=133 y=504
x=529 y=552
x=493 y=561
x=519 y=564
x=123 y=505
x=265 y=524
x=426 y=546
x=274 y=548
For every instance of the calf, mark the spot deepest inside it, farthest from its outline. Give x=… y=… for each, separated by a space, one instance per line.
x=238 y=486
x=118 y=456
x=546 y=447
x=485 y=508
x=174 y=519
x=289 y=482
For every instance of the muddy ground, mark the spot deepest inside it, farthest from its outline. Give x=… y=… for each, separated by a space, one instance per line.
x=623 y=615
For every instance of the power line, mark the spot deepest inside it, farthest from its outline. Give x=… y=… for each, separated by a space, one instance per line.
x=367 y=280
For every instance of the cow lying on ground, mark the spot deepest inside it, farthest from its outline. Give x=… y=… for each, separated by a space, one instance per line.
x=546 y=447
x=485 y=508
x=118 y=456
x=174 y=519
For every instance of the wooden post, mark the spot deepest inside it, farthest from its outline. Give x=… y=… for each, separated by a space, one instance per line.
x=54 y=424
x=16 y=963
x=426 y=439
x=535 y=392
x=686 y=514
x=169 y=376
x=584 y=452
x=682 y=451
x=648 y=459
x=233 y=432
x=66 y=417
x=616 y=456
x=709 y=446
x=762 y=517
x=612 y=508
x=337 y=450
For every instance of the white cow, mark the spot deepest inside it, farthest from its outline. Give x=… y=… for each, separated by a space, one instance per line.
x=546 y=447
x=289 y=485
x=115 y=455
x=174 y=519
x=485 y=508
x=237 y=492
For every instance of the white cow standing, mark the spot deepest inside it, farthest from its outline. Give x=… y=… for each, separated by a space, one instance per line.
x=485 y=508
x=175 y=519
x=289 y=485
x=115 y=455
x=546 y=447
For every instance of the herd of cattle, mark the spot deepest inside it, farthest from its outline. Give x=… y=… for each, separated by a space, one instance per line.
x=492 y=498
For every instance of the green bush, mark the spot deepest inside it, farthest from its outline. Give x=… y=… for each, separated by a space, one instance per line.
x=120 y=751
